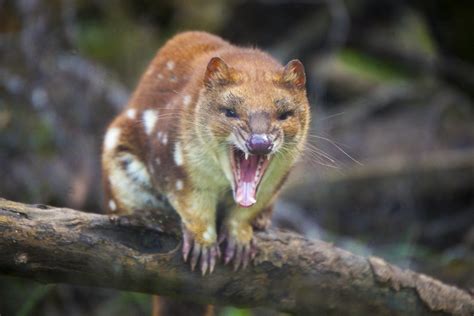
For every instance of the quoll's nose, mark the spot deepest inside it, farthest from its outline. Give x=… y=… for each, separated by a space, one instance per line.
x=259 y=144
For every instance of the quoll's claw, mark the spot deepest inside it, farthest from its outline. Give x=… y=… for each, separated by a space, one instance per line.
x=195 y=255
x=205 y=256
x=229 y=251
x=209 y=257
x=253 y=249
x=245 y=256
x=238 y=257
x=214 y=255
x=187 y=244
x=204 y=260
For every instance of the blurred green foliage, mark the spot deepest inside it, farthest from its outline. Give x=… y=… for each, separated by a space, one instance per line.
x=371 y=68
x=119 y=43
x=125 y=302
x=38 y=293
x=232 y=311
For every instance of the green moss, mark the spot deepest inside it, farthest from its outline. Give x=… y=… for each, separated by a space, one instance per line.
x=232 y=311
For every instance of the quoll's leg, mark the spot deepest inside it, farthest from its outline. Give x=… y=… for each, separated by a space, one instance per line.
x=198 y=216
x=205 y=252
x=238 y=236
x=239 y=248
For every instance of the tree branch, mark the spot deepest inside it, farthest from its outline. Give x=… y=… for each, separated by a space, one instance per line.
x=290 y=273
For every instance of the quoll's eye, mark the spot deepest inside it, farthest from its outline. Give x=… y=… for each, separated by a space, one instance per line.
x=230 y=113
x=283 y=116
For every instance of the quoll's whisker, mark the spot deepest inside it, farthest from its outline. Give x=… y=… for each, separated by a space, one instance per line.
x=315 y=150
x=338 y=147
x=325 y=118
x=318 y=156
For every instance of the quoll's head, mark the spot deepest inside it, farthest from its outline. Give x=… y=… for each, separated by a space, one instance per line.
x=255 y=113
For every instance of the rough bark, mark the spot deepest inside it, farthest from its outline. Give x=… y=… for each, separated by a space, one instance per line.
x=290 y=273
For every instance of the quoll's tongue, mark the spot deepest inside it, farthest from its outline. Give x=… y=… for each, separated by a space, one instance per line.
x=247 y=184
x=245 y=194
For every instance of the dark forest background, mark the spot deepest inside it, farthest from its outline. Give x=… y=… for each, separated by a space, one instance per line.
x=390 y=166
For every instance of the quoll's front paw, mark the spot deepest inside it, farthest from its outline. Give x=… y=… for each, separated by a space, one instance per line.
x=200 y=249
x=240 y=245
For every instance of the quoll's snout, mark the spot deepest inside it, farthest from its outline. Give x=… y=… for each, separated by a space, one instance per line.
x=259 y=144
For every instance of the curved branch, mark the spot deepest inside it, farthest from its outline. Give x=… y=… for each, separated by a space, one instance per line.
x=290 y=273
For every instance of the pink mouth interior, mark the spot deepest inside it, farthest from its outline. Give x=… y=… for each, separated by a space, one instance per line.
x=247 y=176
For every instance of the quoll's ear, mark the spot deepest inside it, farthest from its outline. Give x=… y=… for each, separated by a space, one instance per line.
x=217 y=73
x=293 y=75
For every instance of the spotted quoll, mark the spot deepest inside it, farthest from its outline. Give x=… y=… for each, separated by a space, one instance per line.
x=209 y=124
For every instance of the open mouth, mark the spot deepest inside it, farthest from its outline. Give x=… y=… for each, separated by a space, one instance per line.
x=248 y=172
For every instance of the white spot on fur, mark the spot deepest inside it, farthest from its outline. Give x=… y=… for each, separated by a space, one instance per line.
x=112 y=206
x=136 y=169
x=160 y=76
x=158 y=161
x=170 y=65
x=149 y=120
x=132 y=113
x=186 y=100
x=111 y=138
x=209 y=234
x=130 y=182
x=178 y=154
x=162 y=137
x=179 y=185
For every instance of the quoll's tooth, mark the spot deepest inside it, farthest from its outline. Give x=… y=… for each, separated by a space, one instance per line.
x=246 y=155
